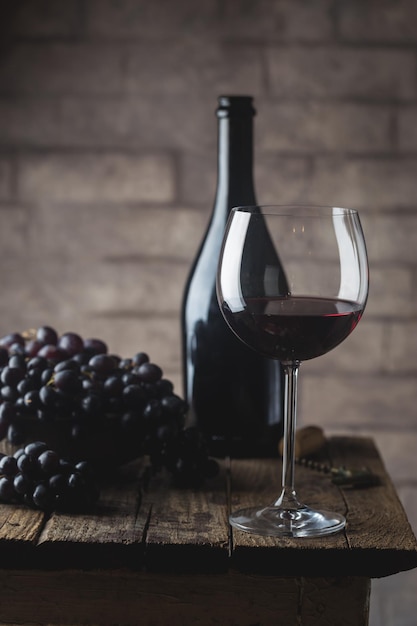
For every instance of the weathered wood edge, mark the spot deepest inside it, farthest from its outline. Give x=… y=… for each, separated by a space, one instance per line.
x=358 y=551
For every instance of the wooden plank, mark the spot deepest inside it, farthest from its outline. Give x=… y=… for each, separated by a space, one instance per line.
x=378 y=540
x=188 y=529
x=106 y=598
x=109 y=536
x=167 y=529
x=20 y=529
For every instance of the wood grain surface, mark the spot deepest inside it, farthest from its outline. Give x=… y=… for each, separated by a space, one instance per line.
x=155 y=527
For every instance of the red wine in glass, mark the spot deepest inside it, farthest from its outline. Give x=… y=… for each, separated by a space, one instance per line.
x=293 y=328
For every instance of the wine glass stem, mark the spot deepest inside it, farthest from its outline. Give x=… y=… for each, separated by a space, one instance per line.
x=288 y=496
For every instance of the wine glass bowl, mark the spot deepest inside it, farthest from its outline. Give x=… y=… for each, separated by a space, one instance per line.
x=292 y=284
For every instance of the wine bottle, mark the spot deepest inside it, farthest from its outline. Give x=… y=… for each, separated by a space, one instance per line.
x=234 y=395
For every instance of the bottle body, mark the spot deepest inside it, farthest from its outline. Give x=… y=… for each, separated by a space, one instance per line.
x=234 y=395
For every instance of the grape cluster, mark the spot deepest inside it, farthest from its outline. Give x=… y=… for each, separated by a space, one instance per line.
x=38 y=477
x=95 y=400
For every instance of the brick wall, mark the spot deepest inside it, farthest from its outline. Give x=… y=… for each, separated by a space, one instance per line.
x=107 y=176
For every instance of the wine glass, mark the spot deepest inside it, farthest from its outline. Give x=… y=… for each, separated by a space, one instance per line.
x=292 y=284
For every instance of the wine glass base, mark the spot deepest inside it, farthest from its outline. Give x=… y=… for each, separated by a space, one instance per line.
x=276 y=521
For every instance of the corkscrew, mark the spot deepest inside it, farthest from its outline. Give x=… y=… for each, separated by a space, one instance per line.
x=310 y=440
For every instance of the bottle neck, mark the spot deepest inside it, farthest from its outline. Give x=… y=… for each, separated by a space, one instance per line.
x=235 y=162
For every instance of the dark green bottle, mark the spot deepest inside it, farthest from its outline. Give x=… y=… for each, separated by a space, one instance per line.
x=235 y=395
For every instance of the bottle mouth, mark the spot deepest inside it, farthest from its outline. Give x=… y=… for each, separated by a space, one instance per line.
x=236 y=105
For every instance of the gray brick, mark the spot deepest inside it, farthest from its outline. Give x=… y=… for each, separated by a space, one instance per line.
x=114 y=121
x=43 y=18
x=159 y=20
x=338 y=72
x=378 y=20
x=395 y=301
x=407 y=129
x=14 y=226
x=360 y=402
x=384 y=184
x=56 y=68
x=100 y=177
x=99 y=232
x=5 y=179
x=215 y=68
x=402 y=346
x=163 y=123
x=281 y=179
x=30 y=121
x=287 y=20
x=321 y=126
x=128 y=287
x=198 y=179
x=390 y=239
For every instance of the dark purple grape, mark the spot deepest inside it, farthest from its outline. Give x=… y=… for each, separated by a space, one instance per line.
x=36 y=362
x=149 y=372
x=7 y=412
x=4 y=357
x=11 y=375
x=16 y=434
x=46 y=375
x=12 y=338
x=67 y=381
x=113 y=386
x=71 y=343
x=153 y=409
x=32 y=347
x=46 y=416
x=164 y=387
x=52 y=353
x=18 y=453
x=8 y=393
x=102 y=363
x=22 y=484
x=8 y=465
x=32 y=400
x=48 y=396
x=174 y=405
x=7 y=492
x=28 y=464
x=68 y=364
x=92 y=404
x=35 y=448
x=134 y=396
x=18 y=361
x=17 y=349
x=125 y=364
x=43 y=497
x=140 y=358
x=26 y=385
x=130 y=423
x=58 y=484
x=65 y=467
x=92 y=385
x=47 y=335
x=129 y=378
x=48 y=462
x=95 y=346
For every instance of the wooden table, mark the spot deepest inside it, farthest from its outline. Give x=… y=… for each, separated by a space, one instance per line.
x=159 y=555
